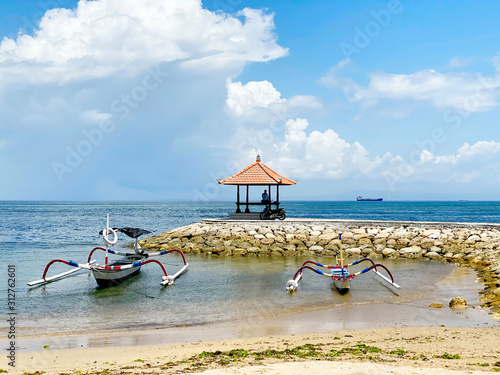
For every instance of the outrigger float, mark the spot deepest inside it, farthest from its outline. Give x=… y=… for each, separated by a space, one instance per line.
x=339 y=273
x=112 y=273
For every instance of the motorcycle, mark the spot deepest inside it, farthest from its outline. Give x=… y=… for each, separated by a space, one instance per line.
x=271 y=214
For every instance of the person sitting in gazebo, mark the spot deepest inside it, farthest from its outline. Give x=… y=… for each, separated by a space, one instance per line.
x=265 y=197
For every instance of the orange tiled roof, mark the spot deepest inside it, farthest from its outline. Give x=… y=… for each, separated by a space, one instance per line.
x=257 y=174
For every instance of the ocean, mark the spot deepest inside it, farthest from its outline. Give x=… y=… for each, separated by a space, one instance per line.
x=214 y=289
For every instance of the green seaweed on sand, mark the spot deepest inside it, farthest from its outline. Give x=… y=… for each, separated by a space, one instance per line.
x=398 y=352
x=447 y=356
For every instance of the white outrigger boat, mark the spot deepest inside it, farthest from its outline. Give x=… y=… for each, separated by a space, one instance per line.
x=112 y=273
x=339 y=273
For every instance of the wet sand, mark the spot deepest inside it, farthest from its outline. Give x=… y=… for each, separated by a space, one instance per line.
x=402 y=350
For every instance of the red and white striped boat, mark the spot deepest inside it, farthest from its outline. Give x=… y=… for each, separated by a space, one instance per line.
x=113 y=273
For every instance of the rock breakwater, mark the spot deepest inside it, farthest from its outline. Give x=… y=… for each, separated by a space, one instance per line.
x=471 y=244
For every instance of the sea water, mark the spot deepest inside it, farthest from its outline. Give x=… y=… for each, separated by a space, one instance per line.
x=215 y=289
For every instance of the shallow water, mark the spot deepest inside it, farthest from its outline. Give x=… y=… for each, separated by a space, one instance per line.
x=214 y=289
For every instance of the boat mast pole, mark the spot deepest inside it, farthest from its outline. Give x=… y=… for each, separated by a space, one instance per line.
x=107 y=245
x=341 y=252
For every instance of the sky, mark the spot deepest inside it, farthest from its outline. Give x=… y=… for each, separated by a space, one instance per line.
x=157 y=99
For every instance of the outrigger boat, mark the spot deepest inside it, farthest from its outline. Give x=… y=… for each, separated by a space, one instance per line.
x=112 y=273
x=339 y=273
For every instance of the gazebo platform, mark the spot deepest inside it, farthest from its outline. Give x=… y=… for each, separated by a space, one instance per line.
x=244 y=216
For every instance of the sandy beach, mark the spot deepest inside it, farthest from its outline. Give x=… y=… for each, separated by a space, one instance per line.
x=412 y=337
x=353 y=339
x=408 y=350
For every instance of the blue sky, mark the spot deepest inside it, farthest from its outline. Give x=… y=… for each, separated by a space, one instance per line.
x=156 y=100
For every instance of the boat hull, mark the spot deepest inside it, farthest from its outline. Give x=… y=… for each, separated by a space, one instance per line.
x=106 y=277
x=343 y=286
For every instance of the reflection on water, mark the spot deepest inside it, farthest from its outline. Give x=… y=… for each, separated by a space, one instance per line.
x=215 y=289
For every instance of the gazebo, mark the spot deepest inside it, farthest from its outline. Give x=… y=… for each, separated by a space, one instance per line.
x=257 y=174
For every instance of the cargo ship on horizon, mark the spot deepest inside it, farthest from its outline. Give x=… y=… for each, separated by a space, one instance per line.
x=361 y=199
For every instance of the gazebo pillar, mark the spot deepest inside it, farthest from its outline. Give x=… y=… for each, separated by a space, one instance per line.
x=247 y=210
x=238 y=211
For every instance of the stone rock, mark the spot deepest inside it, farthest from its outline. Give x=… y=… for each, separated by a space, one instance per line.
x=366 y=250
x=432 y=255
x=267 y=241
x=391 y=242
x=390 y=253
x=329 y=236
x=472 y=239
x=431 y=233
x=427 y=243
x=259 y=236
x=410 y=250
x=347 y=235
x=264 y=230
x=316 y=248
x=458 y=303
x=364 y=241
x=279 y=238
x=297 y=242
x=358 y=231
x=302 y=249
x=176 y=242
x=435 y=249
x=436 y=305
x=239 y=252
x=353 y=251
x=302 y=232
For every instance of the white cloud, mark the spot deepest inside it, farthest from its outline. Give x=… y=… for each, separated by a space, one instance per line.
x=481 y=149
x=459 y=62
x=470 y=92
x=244 y=98
x=470 y=163
x=102 y=37
x=259 y=100
x=332 y=79
x=302 y=154
x=306 y=155
x=93 y=116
